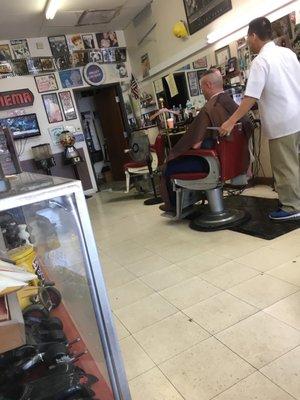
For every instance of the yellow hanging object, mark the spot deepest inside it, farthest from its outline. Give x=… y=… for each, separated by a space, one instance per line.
x=179 y=30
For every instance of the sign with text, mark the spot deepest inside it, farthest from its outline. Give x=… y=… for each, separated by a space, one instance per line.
x=16 y=99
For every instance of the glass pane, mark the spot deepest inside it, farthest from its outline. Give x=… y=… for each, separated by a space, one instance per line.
x=54 y=248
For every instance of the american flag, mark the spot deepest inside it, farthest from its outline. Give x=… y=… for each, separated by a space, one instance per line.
x=134 y=88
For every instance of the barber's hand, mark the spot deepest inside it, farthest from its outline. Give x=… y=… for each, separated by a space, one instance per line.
x=226 y=128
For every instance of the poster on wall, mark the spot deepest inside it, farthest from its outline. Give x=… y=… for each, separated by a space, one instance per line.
x=122 y=70
x=107 y=39
x=20 y=67
x=5 y=68
x=88 y=41
x=5 y=53
x=47 y=64
x=80 y=58
x=145 y=63
x=75 y=42
x=34 y=66
x=67 y=105
x=95 y=56
x=200 y=63
x=64 y=62
x=282 y=32
x=71 y=78
x=222 y=55
x=20 y=48
x=55 y=133
x=58 y=46
x=193 y=83
x=52 y=108
x=46 y=83
x=120 y=54
x=200 y=13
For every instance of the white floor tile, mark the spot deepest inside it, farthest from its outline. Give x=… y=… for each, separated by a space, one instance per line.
x=263 y=290
x=287 y=310
x=118 y=277
x=145 y=312
x=289 y=272
x=127 y=294
x=153 y=385
x=165 y=278
x=205 y=370
x=136 y=360
x=219 y=312
x=189 y=292
x=148 y=265
x=285 y=372
x=202 y=262
x=228 y=274
x=122 y=332
x=254 y=387
x=260 y=339
x=170 y=337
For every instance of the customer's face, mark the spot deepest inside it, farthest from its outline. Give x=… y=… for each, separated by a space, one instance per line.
x=253 y=42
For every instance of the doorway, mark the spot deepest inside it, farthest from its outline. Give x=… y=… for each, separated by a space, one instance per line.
x=105 y=128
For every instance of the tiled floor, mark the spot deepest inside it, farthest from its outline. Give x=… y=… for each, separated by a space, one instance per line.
x=200 y=315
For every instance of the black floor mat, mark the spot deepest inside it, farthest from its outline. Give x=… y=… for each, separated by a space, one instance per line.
x=260 y=225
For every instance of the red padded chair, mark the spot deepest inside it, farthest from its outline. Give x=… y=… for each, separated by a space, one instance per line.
x=229 y=159
x=140 y=168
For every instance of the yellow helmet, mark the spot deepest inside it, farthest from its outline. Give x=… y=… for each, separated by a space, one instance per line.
x=179 y=29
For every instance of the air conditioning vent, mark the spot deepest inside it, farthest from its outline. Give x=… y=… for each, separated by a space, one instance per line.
x=95 y=17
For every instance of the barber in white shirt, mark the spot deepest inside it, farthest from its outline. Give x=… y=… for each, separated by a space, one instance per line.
x=274 y=82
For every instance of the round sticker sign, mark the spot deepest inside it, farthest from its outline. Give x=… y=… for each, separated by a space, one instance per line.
x=93 y=74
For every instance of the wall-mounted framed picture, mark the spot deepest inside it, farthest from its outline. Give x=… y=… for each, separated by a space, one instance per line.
x=80 y=58
x=120 y=54
x=46 y=83
x=107 y=39
x=193 y=83
x=47 y=64
x=222 y=55
x=20 y=48
x=58 y=46
x=34 y=65
x=5 y=68
x=71 y=78
x=75 y=42
x=5 y=53
x=20 y=67
x=95 y=56
x=200 y=63
x=52 y=108
x=94 y=74
x=200 y=13
x=88 y=41
x=67 y=105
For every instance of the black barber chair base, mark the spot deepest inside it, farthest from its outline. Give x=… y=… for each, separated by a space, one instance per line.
x=153 y=201
x=226 y=219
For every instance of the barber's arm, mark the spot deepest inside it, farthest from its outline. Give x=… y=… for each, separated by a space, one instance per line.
x=255 y=86
x=245 y=106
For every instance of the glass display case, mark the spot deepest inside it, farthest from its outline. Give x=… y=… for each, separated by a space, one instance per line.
x=62 y=344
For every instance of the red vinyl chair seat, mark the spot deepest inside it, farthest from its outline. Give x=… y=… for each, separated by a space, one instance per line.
x=134 y=165
x=190 y=176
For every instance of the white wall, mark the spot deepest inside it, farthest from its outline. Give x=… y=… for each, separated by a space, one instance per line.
x=21 y=82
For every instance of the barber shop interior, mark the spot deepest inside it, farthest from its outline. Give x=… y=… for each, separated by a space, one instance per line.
x=150 y=200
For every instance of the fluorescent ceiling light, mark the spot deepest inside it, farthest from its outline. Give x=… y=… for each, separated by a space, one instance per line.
x=52 y=8
x=243 y=22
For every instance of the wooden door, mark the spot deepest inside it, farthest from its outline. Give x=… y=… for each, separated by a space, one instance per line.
x=111 y=120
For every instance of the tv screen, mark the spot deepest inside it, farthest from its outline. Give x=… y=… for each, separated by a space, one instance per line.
x=22 y=126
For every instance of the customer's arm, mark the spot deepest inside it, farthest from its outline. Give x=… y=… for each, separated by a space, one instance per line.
x=245 y=106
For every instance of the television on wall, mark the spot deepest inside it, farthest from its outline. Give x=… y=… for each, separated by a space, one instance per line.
x=22 y=126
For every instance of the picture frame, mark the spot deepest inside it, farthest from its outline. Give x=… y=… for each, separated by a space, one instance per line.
x=107 y=39
x=52 y=108
x=96 y=56
x=75 y=42
x=58 y=45
x=80 y=58
x=88 y=41
x=120 y=54
x=71 y=78
x=5 y=53
x=6 y=68
x=193 y=83
x=145 y=65
x=34 y=65
x=200 y=63
x=200 y=13
x=20 y=67
x=222 y=55
x=55 y=132
x=67 y=105
x=47 y=64
x=46 y=83
x=20 y=48
x=122 y=70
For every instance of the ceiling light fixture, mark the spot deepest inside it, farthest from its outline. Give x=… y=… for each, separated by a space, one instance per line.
x=51 y=9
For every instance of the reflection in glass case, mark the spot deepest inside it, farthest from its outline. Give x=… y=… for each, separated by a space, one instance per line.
x=57 y=338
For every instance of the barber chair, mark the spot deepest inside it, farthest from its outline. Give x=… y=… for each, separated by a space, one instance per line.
x=229 y=159
x=146 y=160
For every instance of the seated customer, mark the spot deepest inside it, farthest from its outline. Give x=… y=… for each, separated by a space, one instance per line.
x=218 y=108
